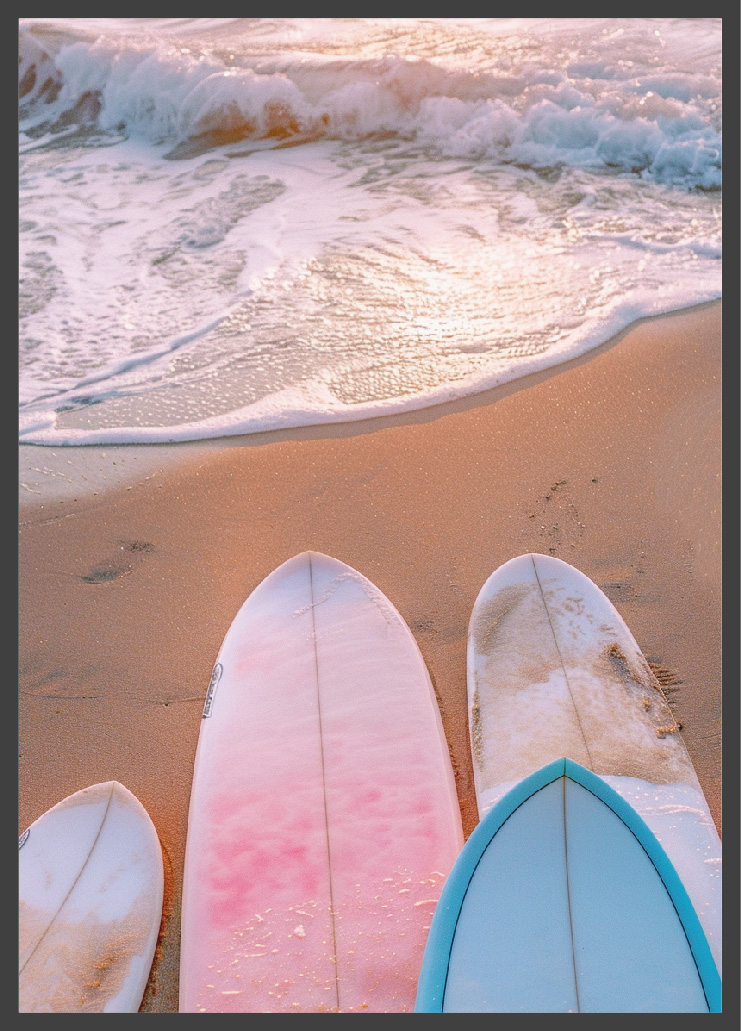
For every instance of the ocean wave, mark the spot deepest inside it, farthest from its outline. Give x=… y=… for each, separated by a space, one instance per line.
x=595 y=114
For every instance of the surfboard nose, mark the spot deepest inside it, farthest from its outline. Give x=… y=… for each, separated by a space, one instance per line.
x=91 y=885
x=324 y=812
x=562 y=899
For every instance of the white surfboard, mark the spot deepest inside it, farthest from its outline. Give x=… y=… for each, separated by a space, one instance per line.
x=554 y=671
x=323 y=817
x=563 y=901
x=90 y=904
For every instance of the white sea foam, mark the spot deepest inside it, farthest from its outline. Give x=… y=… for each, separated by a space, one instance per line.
x=463 y=201
x=619 y=114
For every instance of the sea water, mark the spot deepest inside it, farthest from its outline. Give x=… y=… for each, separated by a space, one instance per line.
x=233 y=225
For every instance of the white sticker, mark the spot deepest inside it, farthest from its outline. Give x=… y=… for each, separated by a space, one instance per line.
x=215 y=677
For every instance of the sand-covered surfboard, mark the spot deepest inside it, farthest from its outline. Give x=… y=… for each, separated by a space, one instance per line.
x=90 y=904
x=563 y=901
x=323 y=816
x=554 y=671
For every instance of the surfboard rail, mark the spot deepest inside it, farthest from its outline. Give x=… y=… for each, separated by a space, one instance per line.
x=436 y=958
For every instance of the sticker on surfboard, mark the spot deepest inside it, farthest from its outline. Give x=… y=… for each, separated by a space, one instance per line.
x=212 y=685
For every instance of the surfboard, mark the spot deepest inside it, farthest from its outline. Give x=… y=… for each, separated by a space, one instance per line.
x=323 y=816
x=91 y=882
x=563 y=901
x=554 y=671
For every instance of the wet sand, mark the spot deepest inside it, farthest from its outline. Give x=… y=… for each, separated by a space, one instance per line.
x=134 y=561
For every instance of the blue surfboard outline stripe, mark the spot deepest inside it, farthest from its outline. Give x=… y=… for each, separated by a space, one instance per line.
x=435 y=961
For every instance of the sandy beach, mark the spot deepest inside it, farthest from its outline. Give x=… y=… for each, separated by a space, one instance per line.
x=134 y=561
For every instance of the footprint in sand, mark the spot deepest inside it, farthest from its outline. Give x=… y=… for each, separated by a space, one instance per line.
x=118 y=565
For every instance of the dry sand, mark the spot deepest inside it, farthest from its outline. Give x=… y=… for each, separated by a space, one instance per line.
x=612 y=463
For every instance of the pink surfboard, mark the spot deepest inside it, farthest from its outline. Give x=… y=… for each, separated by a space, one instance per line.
x=323 y=815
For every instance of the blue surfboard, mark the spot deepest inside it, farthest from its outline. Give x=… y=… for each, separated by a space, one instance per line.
x=563 y=900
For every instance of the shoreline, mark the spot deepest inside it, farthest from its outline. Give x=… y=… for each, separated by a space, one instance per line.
x=130 y=577
x=68 y=470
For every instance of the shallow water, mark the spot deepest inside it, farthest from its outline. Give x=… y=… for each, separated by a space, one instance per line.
x=235 y=225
